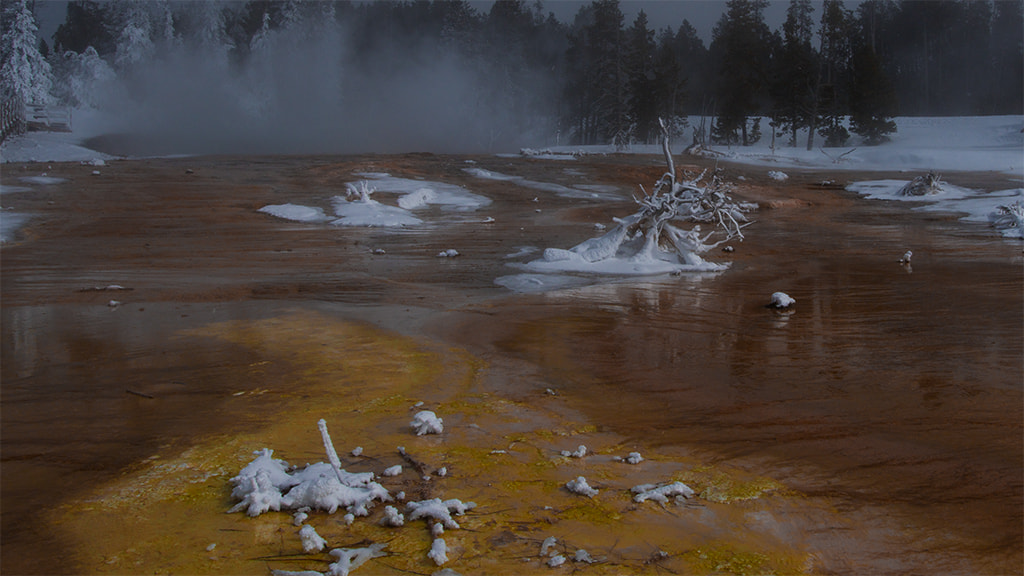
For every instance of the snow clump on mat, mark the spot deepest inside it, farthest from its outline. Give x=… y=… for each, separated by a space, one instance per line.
x=661 y=493
x=580 y=486
x=426 y=422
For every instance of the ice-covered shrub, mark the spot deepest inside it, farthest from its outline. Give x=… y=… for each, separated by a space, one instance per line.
x=649 y=236
x=266 y=484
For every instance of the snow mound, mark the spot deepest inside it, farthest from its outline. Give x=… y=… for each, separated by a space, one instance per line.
x=579 y=453
x=371 y=213
x=781 y=300
x=580 y=486
x=311 y=541
x=426 y=422
x=392 y=517
x=438 y=551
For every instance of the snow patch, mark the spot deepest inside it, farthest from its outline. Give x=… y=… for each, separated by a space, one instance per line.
x=295 y=212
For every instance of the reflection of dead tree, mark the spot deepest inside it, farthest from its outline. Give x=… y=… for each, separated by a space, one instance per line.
x=930 y=183
x=651 y=226
x=837 y=159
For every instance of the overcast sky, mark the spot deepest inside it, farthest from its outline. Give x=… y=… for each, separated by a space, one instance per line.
x=703 y=14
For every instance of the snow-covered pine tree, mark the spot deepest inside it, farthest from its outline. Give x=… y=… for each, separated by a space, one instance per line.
x=80 y=79
x=134 y=39
x=24 y=74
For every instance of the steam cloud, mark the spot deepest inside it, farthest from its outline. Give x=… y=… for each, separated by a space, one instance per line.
x=301 y=92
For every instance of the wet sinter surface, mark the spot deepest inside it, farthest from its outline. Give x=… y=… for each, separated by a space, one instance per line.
x=876 y=428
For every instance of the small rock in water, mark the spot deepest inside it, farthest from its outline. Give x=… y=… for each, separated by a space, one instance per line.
x=781 y=300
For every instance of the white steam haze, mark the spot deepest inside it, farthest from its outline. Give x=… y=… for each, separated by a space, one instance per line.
x=304 y=91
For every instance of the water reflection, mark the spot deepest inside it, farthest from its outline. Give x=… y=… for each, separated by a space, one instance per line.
x=877 y=387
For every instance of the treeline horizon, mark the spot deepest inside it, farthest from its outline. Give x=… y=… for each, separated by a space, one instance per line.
x=601 y=79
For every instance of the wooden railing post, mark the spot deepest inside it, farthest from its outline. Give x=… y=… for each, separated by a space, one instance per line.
x=12 y=117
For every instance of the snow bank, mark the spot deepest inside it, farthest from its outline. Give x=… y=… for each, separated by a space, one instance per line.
x=48 y=147
x=945 y=144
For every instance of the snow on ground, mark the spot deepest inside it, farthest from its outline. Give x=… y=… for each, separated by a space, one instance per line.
x=978 y=205
x=296 y=212
x=416 y=194
x=920 y=144
x=592 y=191
x=360 y=209
x=940 y=144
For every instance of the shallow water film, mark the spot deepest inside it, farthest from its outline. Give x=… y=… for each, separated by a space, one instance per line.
x=157 y=329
